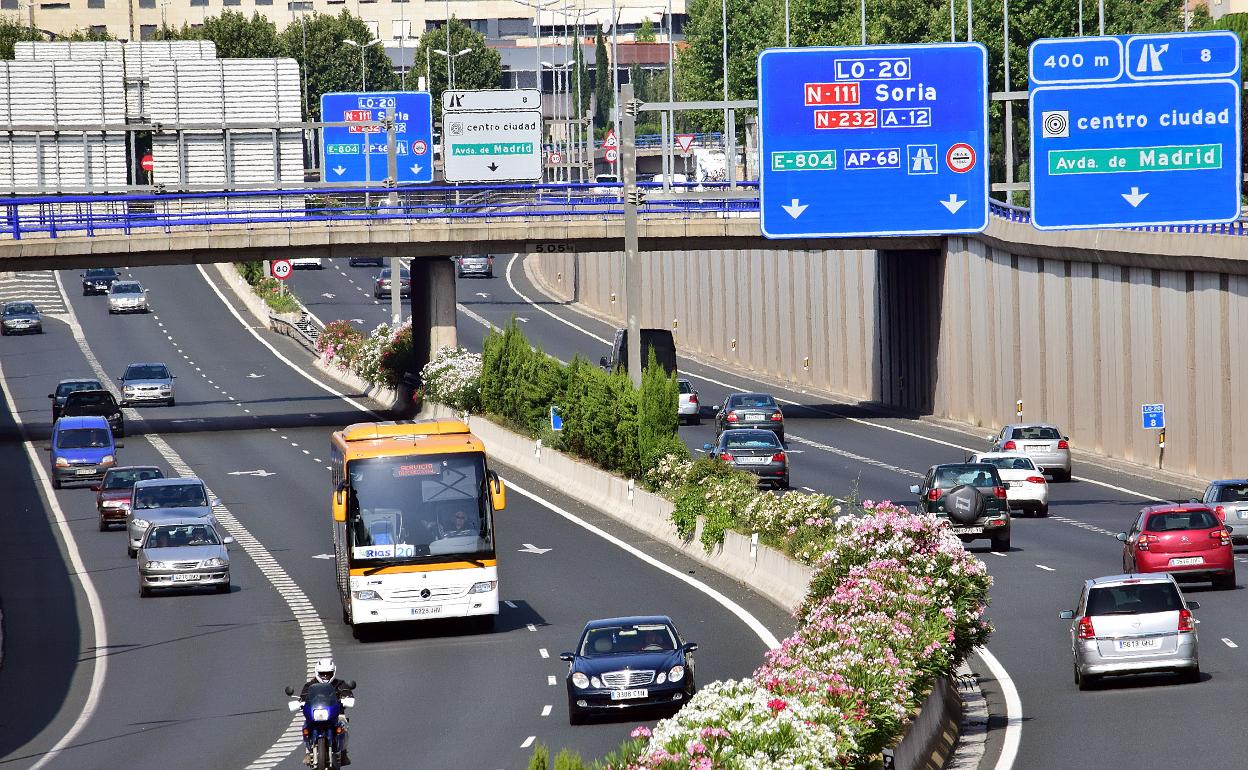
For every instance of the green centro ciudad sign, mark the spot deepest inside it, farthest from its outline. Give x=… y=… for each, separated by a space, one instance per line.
x=493 y=148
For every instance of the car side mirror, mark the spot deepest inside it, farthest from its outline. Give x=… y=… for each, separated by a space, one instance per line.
x=990 y=438
x=566 y=656
x=119 y=445
x=691 y=647
x=51 y=395
x=214 y=502
x=227 y=540
x=1193 y=605
x=289 y=690
x=718 y=407
x=1065 y=438
x=1192 y=500
x=603 y=362
x=174 y=377
x=707 y=447
x=1121 y=537
x=95 y=487
x=1066 y=614
x=914 y=489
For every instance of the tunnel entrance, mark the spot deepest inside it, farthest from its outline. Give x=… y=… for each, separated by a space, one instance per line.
x=908 y=297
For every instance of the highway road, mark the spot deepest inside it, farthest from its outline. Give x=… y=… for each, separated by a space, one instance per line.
x=841 y=448
x=196 y=680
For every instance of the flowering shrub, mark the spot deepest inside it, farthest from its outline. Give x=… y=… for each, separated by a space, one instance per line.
x=453 y=378
x=339 y=344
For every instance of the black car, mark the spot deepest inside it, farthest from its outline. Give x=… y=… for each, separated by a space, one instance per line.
x=97 y=280
x=750 y=410
x=65 y=387
x=753 y=451
x=971 y=497
x=99 y=403
x=357 y=261
x=628 y=663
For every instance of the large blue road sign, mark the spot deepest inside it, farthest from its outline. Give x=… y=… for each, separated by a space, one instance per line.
x=873 y=140
x=359 y=153
x=1135 y=130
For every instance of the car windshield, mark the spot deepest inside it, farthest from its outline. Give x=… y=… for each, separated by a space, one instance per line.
x=19 y=308
x=980 y=475
x=756 y=400
x=124 y=478
x=1231 y=493
x=146 y=372
x=755 y=439
x=684 y=386
x=1036 y=433
x=170 y=496
x=428 y=507
x=1134 y=599
x=126 y=287
x=628 y=638
x=1010 y=463
x=83 y=438
x=180 y=536
x=65 y=388
x=1180 y=520
x=101 y=272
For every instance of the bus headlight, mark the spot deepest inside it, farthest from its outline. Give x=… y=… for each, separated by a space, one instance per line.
x=483 y=588
x=365 y=596
x=580 y=681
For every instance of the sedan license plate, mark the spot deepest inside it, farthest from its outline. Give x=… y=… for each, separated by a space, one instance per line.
x=968 y=530
x=1187 y=561
x=629 y=694
x=1037 y=447
x=753 y=460
x=1243 y=513
x=85 y=471
x=426 y=610
x=186 y=577
x=756 y=416
x=1137 y=644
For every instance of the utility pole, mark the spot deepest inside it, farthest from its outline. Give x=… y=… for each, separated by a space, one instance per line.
x=392 y=200
x=632 y=259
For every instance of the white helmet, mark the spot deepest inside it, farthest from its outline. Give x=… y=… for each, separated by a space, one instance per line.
x=325 y=669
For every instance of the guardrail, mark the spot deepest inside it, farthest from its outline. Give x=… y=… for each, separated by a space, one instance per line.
x=303 y=329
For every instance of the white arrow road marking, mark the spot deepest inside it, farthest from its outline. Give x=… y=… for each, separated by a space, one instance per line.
x=953 y=204
x=530 y=548
x=483 y=294
x=259 y=472
x=795 y=208
x=357 y=320
x=1135 y=197
x=528 y=741
x=323 y=556
x=522 y=319
x=327 y=295
x=1046 y=569
x=339 y=170
x=254 y=376
x=1229 y=643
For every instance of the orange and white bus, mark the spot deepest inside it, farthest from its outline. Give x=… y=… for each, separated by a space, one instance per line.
x=413 y=509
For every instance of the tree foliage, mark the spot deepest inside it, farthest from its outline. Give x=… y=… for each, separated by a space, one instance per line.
x=328 y=64
x=14 y=30
x=603 y=95
x=482 y=67
x=235 y=35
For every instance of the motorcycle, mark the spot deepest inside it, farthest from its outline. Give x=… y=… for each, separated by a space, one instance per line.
x=322 y=730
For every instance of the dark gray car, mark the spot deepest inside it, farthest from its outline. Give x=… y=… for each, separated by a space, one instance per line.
x=754 y=451
x=750 y=410
x=65 y=387
x=20 y=317
x=475 y=264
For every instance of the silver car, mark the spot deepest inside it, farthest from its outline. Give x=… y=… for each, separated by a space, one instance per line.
x=20 y=317
x=1133 y=624
x=1044 y=444
x=127 y=297
x=688 y=410
x=151 y=499
x=475 y=264
x=1229 y=500
x=146 y=384
x=184 y=553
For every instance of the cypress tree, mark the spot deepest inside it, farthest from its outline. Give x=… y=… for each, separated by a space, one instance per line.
x=602 y=82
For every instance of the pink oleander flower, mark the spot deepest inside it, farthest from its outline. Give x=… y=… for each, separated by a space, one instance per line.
x=640 y=731
x=777 y=705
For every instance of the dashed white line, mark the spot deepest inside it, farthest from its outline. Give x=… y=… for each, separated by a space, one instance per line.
x=1229 y=643
x=1046 y=569
x=550 y=680
x=509 y=603
x=530 y=626
x=997 y=553
x=547 y=709
x=528 y=741
x=543 y=653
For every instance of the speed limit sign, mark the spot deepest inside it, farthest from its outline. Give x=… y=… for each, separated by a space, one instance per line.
x=280 y=269
x=611 y=155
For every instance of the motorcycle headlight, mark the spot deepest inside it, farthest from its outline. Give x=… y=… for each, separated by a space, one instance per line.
x=320 y=714
x=213 y=562
x=61 y=462
x=157 y=565
x=365 y=596
x=676 y=674
x=108 y=460
x=595 y=682
x=580 y=681
x=141 y=523
x=483 y=587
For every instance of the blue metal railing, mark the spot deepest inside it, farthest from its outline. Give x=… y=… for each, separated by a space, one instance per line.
x=712 y=139
x=1023 y=215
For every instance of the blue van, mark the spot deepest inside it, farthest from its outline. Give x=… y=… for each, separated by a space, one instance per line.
x=82 y=449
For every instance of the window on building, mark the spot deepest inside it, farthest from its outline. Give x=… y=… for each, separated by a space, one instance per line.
x=374 y=29
x=147 y=31
x=304 y=5
x=95 y=3
x=401 y=29
x=9 y=5
x=199 y=3
x=98 y=30
x=264 y=2
x=479 y=25
x=336 y=2
x=54 y=6
x=232 y=2
x=147 y=3
x=515 y=27
x=431 y=25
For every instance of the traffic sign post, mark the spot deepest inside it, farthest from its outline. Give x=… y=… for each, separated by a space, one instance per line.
x=1153 y=416
x=1135 y=130
x=487 y=100
x=556 y=419
x=685 y=143
x=280 y=268
x=883 y=140
x=611 y=155
x=360 y=153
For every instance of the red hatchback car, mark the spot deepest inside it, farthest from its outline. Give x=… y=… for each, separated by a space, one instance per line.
x=1186 y=540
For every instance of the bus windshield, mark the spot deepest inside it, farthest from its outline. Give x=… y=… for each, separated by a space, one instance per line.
x=418 y=508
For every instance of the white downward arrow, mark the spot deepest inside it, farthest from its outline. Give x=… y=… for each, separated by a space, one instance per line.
x=953 y=204
x=795 y=208
x=339 y=169
x=327 y=295
x=483 y=294
x=357 y=320
x=415 y=168
x=530 y=548
x=522 y=319
x=1135 y=197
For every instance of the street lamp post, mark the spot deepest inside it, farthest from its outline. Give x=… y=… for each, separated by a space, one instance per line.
x=450 y=64
x=536 y=5
x=353 y=44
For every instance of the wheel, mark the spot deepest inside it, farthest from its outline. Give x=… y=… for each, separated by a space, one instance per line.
x=490 y=274
x=144 y=592
x=1043 y=510
x=112 y=312
x=1001 y=543
x=322 y=753
x=103 y=525
x=1192 y=676
x=696 y=420
x=56 y=483
x=346 y=615
x=1224 y=582
x=171 y=402
x=223 y=588
x=132 y=553
x=1084 y=681
x=1062 y=476
x=458 y=274
x=783 y=483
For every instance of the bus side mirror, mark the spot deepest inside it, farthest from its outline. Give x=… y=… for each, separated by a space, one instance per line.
x=498 y=492
x=339 y=503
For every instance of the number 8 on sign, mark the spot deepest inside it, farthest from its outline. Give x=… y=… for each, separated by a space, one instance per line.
x=280 y=269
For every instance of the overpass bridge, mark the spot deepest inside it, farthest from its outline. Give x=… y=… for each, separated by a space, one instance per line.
x=1082 y=325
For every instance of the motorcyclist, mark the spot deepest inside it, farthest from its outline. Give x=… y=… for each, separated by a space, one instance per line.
x=324 y=674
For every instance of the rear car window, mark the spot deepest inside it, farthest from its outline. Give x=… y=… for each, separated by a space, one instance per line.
x=684 y=386
x=754 y=401
x=1036 y=433
x=1231 y=493
x=126 y=479
x=753 y=440
x=978 y=475
x=1134 y=599
x=83 y=398
x=1010 y=463
x=66 y=388
x=1178 y=520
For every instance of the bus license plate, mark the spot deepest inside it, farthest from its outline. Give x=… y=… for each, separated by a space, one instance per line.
x=426 y=610
x=629 y=694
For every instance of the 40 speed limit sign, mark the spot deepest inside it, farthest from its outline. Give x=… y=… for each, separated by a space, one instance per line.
x=280 y=268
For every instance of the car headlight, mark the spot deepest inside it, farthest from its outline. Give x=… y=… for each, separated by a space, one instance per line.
x=365 y=596
x=128 y=389
x=61 y=462
x=214 y=562
x=595 y=682
x=166 y=388
x=108 y=460
x=140 y=523
x=676 y=674
x=483 y=587
x=157 y=565
x=580 y=681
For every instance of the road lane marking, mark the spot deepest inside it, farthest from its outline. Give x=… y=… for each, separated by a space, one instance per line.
x=509 y=603
x=1046 y=569
x=550 y=680
x=530 y=626
x=1013 y=710
x=543 y=652
x=528 y=741
x=547 y=709
x=997 y=553
x=1229 y=643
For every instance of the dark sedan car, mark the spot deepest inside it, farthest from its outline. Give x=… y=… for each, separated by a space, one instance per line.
x=750 y=410
x=97 y=280
x=628 y=663
x=20 y=317
x=112 y=495
x=100 y=403
x=65 y=387
x=754 y=451
x=381 y=284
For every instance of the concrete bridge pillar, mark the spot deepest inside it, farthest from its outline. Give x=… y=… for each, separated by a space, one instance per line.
x=433 y=307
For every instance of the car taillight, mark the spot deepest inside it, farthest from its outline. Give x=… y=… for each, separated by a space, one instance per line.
x=933 y=494
x=777 y=417
x=732 y=417
x=1035 y=480
x=999 y=492
x=726 y=457
x=693 y=399
x=1063 y=445
x=778 y=457
x=1009 y=446
x=1086 y=631
x=1186 y=623
x=1142 y=542
x=1222 y=535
